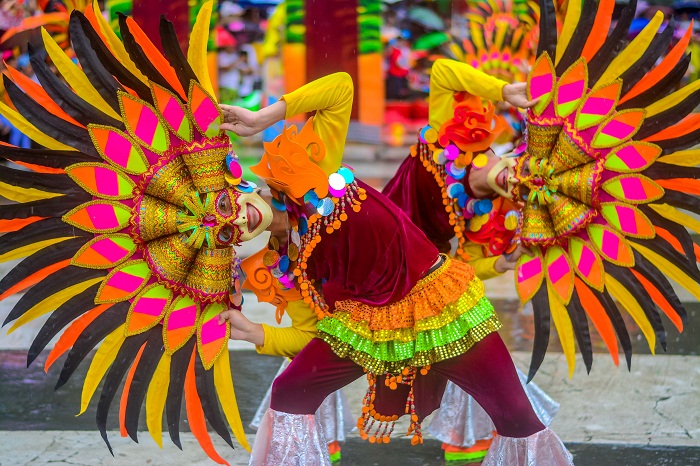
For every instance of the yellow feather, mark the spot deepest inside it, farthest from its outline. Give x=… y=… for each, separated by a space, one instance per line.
x=53 y=302
x=29 y=249
x=115 y=45
x=565 y=330
x=573 y=15
x=501 y=31
x=30 y=130
x=633 y=51
x=477 y=37
x=457 y=52
x=669 y=269
x=631 y=305
x=674 y=215
x=104 y=357
x=224 y=389
x=155 y=399
x=672 y=99
x=17 y=194
x=197 y=51
x=684 y=158
x=75 y=77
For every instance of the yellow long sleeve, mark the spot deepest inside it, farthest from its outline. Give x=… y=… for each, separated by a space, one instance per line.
x=450 y=76
x=483 y=266
x=331 y=98
x=288 y=341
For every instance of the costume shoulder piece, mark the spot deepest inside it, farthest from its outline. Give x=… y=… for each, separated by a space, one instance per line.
x=125 y=221
x=605 y=181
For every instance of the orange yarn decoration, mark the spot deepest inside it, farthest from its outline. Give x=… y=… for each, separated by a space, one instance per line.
x=289 y=163
x=473 y=127
x=260 y=281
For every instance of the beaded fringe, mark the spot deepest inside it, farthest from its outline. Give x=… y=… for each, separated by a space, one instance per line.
x=424 y=153
x=353 y=197
x=383 y=426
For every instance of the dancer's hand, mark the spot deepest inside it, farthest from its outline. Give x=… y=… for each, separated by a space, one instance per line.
x=239 y=120
x=516 y=95
x=242 y=328
x=244 y=122
x=507 y=262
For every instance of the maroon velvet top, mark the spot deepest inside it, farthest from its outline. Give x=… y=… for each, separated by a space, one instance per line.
x=376 y=257
x=417 y=193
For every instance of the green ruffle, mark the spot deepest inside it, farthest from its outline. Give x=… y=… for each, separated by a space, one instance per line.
x=428 y=347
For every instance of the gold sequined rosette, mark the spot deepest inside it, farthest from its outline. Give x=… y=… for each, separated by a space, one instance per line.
x=156 y=218
x=171 y=182
x=569 y=152
x=578 y=183
x=541 y=139
x=568 y=215
x=206 y=162
x=211 y=273
x=537 y=225
x=170 y=259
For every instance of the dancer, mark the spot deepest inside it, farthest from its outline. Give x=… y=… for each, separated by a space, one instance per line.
x=412 y=319
x=546 y=165
x=419 y=188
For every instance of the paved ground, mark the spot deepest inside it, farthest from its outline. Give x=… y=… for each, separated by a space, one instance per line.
x=647 y=416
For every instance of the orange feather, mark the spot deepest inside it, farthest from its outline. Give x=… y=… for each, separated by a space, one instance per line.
x=39 y=95
x=686 y=126
x=90 y=15
x=40 y=168
x=195 y=414
x=125 y=393
x=686 y=185
x=17 y=223
x=67 y=339
x=34 y=278
x=595 y=310
x=159 y=61
x=599 y=31
x=660 y=300
x=663 y=68
x=672 y=240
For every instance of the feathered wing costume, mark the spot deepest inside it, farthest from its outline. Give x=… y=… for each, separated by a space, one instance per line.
x=120 y=225
x=605 y=180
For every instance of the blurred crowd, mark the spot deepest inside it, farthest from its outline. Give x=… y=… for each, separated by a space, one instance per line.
x=239 y=36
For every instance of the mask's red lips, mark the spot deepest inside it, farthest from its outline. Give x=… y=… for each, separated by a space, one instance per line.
x=501 y=178
x=254 y=217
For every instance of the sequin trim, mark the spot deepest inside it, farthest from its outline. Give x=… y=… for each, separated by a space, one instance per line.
x=378 y=365
x=433 y=293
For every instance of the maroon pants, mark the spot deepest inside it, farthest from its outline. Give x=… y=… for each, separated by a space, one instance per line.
x=486 y=372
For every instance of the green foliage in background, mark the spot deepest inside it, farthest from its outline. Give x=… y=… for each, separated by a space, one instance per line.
x=296 y=29
x=369 y=23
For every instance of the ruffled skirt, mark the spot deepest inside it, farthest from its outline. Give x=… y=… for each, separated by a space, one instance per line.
x=443 y=316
